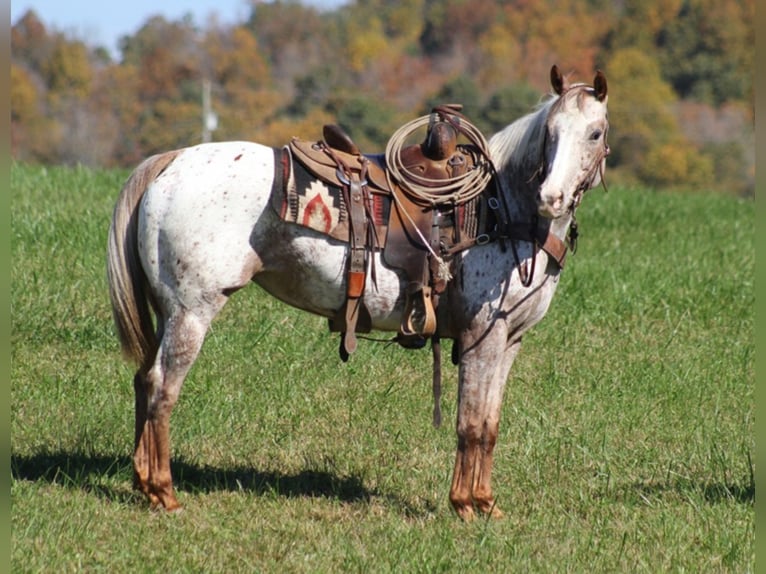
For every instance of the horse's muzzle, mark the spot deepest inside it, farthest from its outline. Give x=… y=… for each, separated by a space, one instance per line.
x=551 y=206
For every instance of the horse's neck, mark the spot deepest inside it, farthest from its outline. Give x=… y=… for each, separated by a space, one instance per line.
x=522 y=205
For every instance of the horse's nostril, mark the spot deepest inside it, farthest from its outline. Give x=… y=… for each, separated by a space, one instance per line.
x=556 y=199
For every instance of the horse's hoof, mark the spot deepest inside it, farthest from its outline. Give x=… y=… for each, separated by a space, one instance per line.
x=465 y=512
x=490 y=510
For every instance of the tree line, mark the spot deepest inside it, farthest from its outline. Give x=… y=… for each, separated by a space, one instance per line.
x=680 y=78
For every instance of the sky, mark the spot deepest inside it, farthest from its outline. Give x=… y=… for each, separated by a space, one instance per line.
x=102 y=23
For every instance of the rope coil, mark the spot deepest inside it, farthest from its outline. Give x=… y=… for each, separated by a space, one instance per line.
x=433 y=192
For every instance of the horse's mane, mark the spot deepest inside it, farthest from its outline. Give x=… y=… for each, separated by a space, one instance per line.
x=516 y=148
x=519 y=143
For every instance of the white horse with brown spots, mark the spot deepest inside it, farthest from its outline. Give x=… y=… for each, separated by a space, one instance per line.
x=193 y=226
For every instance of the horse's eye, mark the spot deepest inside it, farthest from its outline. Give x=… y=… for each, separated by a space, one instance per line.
x=595 y=135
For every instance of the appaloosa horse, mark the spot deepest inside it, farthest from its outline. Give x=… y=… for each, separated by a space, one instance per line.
x=193 y=226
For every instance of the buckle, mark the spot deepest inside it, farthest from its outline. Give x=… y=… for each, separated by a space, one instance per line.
x=342 y=177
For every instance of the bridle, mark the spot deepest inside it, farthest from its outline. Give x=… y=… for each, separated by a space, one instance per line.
x=541 y=172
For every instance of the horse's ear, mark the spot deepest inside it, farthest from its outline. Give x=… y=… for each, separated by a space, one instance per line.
x=557 y=80
x=599 y=84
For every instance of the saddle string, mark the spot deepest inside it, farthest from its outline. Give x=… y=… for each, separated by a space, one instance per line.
x=443 y=269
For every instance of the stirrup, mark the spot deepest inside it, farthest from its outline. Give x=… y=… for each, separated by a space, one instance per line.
x=419 y=316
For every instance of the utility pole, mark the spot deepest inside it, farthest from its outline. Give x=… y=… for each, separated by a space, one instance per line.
x=209 y=118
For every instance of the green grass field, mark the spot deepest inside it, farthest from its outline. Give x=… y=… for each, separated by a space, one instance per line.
x=626 y=442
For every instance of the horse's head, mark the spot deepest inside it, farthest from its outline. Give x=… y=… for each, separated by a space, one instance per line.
x=575 y=147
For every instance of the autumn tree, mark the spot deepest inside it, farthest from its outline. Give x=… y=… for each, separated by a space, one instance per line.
x=563 y=32
x=680 y=78
x=67 y=71
x=118 y=101
x=293 y=38
x=639 y=23
x=60 y=71
x=29 y=123
x=243 y=95
x=167 y=59
x=706 y=51
x=30 y=41
x=644 y=134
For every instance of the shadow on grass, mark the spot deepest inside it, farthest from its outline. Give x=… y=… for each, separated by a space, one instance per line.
x=95 y=474
x=711 y=492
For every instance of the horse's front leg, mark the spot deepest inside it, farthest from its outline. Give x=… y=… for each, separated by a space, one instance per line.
x=484 y=368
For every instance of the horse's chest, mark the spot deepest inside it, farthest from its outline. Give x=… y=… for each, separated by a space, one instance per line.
x=491 y=290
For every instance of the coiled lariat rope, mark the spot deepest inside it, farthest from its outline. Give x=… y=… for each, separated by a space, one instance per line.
x=435 y=192
x=432 y=192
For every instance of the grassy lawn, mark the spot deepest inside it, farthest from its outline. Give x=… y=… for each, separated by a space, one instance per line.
x=626 y=442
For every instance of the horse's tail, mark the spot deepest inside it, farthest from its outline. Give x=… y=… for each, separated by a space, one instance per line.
x=127 y=280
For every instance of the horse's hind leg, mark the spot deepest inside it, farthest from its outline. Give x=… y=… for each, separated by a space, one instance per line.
x=141 y=391
x=483 y=376
x=157 y=391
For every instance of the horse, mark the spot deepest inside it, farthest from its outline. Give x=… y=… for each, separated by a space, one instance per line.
x=193 y=226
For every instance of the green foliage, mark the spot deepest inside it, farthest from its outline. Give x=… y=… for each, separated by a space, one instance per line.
x=626 y=442
x=370 y=123
x=454 y=24
x=507 y=105
x=460 y=90
x=313 y=89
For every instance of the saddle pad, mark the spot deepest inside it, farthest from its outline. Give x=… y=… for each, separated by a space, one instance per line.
x=300 y=197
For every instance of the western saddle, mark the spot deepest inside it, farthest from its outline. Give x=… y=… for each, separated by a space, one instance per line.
x=427 y=216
